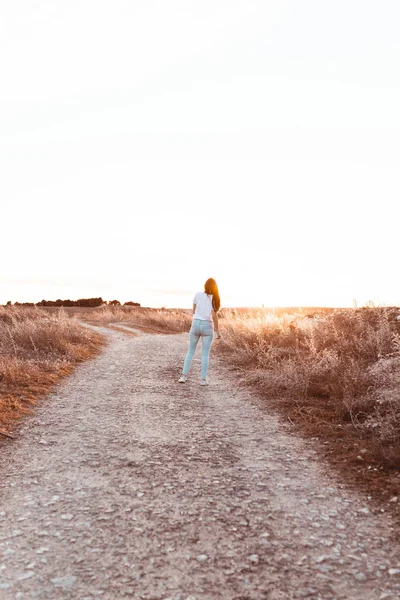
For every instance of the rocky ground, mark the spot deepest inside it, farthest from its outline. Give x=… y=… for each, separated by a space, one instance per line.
x=126 y=484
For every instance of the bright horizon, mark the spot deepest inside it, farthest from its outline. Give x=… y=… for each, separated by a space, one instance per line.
x=146 y=146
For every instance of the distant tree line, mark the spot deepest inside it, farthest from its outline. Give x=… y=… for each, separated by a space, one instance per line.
x=84 y=302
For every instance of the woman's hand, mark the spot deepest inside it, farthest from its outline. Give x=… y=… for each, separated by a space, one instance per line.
x=218 y=335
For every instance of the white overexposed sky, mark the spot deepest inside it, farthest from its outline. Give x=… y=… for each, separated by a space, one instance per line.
x=146 y=145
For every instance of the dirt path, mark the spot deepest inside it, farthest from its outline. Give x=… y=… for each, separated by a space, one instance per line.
x=127 y=484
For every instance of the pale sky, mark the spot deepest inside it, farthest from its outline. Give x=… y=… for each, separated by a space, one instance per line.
x=148 y=145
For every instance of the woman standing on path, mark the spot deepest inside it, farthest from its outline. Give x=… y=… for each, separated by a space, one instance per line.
x=205 y=320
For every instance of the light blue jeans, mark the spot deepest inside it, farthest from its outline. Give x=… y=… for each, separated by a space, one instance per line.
x=204 y=330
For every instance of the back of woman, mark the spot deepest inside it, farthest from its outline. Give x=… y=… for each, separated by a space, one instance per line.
x=204 y=306
x=205 y=320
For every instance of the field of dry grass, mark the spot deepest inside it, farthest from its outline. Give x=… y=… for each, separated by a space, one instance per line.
x=37 y=349
x=332 y=371
x=152 y=319
x=337 y=372
x=334 y=374
x=335 y=378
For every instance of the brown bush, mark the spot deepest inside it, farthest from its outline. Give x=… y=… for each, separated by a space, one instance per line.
x=36 y=349
x=342 y=366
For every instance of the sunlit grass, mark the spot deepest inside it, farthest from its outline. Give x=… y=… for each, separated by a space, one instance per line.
x=341 y=368
x=161 y=320
x=36 y=350
x=335 y=370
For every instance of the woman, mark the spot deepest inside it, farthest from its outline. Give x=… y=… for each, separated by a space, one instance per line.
x=205 y=320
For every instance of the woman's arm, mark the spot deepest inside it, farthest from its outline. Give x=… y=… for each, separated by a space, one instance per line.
x=215 y=320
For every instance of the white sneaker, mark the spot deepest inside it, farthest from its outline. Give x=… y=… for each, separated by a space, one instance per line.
x=182 y=379
x=203 y=382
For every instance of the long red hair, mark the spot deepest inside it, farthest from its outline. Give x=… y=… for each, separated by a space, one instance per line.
x=211 y=288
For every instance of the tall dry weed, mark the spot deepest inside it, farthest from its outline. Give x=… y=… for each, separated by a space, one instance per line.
x=345 y=362
x=36 y=349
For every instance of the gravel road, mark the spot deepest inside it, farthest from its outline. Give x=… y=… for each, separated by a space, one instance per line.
x=126 y=484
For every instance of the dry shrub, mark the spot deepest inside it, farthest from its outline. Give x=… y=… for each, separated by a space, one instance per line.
x=36 y=349
x=342 y=366
x=383 y=400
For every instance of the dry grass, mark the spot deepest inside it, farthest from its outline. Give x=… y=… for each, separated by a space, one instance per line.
x=36 y=350
x=154 y=320
x=338 y=372
x=336 y=376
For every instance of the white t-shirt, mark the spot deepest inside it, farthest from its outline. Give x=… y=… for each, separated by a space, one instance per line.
x=204 y=306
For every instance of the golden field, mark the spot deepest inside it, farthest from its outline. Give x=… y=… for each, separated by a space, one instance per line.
x=333 y=374
x=329 y=369
x=36 y=350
